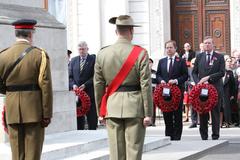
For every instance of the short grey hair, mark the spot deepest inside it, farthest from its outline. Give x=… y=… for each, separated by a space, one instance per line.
x=83 y=44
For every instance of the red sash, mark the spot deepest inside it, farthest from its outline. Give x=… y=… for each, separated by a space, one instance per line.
x=119 y=78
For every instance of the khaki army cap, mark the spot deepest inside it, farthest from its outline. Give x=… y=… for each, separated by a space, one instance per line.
x=123 y=20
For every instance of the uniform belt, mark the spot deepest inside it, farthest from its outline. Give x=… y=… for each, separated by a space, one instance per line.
x=128 y=88
x=25 y=87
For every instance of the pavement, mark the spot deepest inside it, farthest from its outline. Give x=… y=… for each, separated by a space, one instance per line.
x=192 y=147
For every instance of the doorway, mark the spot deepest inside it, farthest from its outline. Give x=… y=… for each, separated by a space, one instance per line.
x=192 y=20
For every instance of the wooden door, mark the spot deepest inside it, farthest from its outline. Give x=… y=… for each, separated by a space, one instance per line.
x=192 y=20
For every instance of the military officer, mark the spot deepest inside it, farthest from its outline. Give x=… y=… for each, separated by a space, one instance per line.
x=28 y=94
x=129 y=108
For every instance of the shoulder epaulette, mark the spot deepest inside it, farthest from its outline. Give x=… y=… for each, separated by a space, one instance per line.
x=105 y=47
x=3 y=50
x=139 y=46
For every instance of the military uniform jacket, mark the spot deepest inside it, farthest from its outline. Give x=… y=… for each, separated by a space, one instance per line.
x=26 y=106
x=123 y=104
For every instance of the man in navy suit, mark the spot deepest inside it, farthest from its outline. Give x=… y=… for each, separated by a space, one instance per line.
x=81 y=70
x=173 y=70
x=209 y=67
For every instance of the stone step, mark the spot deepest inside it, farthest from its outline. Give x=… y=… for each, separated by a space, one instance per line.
x=84 y=143
x=184 y=150
x=150 y=143
x=65 y=144
x=72 y=143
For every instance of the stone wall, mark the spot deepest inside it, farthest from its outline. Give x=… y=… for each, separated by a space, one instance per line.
x=235 y=24
x=29 y=3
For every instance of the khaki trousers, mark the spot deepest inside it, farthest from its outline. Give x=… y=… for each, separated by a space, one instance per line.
x=26 y=141
x=126 y=138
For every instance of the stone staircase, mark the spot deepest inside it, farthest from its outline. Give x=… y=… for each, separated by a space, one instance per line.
x=87 y=145
x=93 y=145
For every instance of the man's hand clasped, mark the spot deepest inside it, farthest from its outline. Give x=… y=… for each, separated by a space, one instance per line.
x=102 y=120
x=82 y=87
x=147 y=121
x=172 y=81
x=45 y=122
x=204 y=80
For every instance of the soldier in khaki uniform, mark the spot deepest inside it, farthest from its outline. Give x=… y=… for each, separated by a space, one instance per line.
x=129 y=109
x=29 y=94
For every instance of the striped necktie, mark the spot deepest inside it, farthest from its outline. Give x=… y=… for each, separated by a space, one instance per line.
x=82 y=62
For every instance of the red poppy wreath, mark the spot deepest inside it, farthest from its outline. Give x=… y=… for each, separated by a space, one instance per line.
x=4 y=122
x=202 y=105
x=167 y=104
x=85 y=102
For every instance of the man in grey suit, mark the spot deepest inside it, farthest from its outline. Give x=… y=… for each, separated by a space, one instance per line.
x=129 y=108
x=209 y=67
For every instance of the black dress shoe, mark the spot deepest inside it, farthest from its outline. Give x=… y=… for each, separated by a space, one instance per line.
x=193 y=125
x=215 y=138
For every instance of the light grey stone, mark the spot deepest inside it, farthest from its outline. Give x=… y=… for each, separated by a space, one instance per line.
x=31 y=3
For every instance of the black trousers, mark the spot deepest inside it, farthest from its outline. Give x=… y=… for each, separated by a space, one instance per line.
x=91 y=118
x=173 y=123
x=215 y=113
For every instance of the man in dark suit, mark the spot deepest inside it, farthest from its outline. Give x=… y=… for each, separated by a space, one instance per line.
x=172 y=70
x=81 y=70
x=210 y=68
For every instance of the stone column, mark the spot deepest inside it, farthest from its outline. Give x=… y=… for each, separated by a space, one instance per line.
x=160 y=29
x=72 y=26
x=235 y=24
x=108 y=9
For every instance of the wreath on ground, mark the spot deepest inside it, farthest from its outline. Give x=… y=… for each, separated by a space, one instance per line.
x=85 y=102
x=171 y=104
x=203 y=106
x=4 y=122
